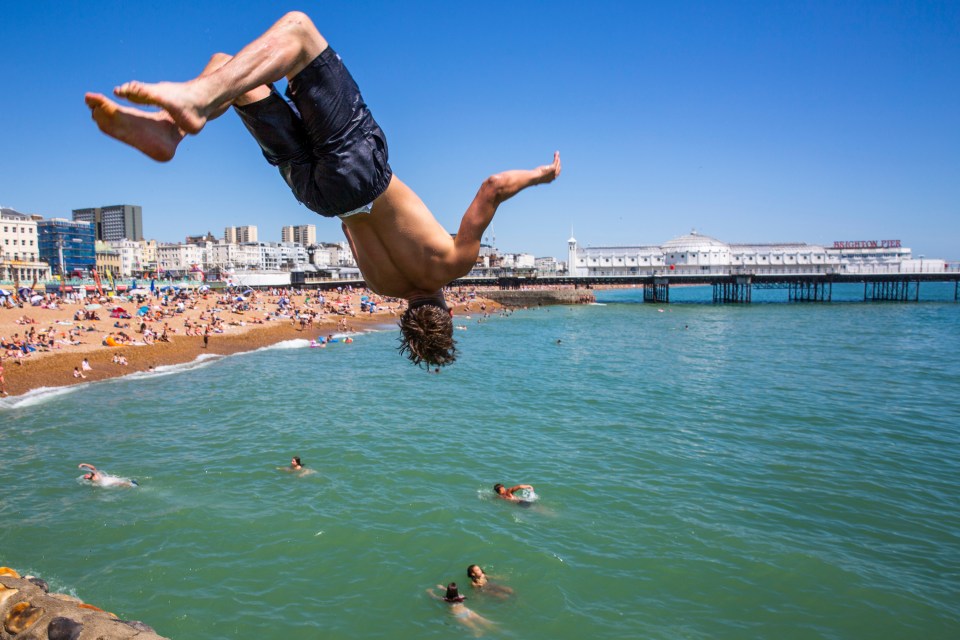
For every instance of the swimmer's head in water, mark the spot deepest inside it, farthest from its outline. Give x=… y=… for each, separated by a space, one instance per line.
x=295 y=461
x=88 y=476
x=499 y=489
x=474 y=571
x=453 y=594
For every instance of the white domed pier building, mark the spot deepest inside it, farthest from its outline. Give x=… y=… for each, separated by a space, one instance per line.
x=695 y=254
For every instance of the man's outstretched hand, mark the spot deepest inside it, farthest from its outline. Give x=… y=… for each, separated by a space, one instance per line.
x=550 y=171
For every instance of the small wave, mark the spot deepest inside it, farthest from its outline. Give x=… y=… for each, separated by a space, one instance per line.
x=38 y=396
x=203 y=360
x=598 y=304
x=296 y=343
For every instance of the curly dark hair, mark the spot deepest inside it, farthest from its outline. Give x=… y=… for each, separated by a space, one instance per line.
x=426 y=336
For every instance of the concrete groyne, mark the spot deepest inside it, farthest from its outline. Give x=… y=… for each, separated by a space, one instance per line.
x=29 y=610
x=539 y=297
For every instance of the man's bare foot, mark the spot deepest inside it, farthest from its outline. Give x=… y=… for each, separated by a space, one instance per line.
x=172 y=97
x=152 y=132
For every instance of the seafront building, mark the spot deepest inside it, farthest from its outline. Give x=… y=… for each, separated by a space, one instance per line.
x=19 y=248
x=238 y=235
x=113 y=222
x=696 y=254
x=305 y=234
x=67 y=246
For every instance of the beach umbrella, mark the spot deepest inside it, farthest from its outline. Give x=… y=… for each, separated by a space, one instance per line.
x=138 y=292
x=142 y=311
x=24 y=292
x=92 y=307
x=364 y=298
x=36 y=299
x=4 y=293
x=203 y=288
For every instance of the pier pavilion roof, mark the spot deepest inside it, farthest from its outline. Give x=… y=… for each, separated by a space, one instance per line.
x=694 y=242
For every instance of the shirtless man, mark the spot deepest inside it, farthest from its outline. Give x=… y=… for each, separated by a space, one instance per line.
x=333 y=156
x=95 y=476
x=507 y=494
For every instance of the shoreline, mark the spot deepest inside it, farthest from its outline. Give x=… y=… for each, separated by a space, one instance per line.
x=55 y=368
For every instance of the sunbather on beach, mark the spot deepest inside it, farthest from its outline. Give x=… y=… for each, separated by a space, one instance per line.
x=333 y=156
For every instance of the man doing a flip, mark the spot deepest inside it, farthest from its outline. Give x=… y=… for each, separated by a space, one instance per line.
x=333 y=156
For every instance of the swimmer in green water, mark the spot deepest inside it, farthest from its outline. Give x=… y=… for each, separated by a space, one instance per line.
x=297 y=467
x=479 y=580
x=507 y=494
x=464 y=615
x=103 y=479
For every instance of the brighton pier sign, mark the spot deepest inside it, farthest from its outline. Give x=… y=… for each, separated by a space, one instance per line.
x=866 y=244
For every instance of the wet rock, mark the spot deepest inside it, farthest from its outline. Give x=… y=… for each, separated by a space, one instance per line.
x=6 y=593
x=40 y=583
x=139 y=626
x=61 y=628
x=21 y=617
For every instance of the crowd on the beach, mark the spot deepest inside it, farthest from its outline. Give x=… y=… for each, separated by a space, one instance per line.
x=61 y=322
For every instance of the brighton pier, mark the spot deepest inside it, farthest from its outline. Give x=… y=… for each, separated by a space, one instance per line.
x=886 y=268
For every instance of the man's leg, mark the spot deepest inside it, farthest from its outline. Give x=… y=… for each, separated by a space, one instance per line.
x=283 y=51
x=154 y=132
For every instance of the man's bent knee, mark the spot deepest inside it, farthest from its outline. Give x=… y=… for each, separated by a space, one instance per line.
x=297 y=33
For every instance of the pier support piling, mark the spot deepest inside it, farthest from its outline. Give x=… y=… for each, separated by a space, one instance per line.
x=811 y=291
x=659 y=291
x=738 y=290
x=891 y=291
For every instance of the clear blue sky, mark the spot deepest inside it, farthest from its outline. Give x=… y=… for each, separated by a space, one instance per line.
x=751 y=121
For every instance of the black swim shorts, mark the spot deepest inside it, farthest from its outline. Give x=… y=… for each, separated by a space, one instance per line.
x=324 y=140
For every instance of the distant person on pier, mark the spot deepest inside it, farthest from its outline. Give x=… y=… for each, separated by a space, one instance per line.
x=333 y=156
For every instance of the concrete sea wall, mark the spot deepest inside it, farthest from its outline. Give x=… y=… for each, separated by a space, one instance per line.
x=28 y=610
x=539 y=297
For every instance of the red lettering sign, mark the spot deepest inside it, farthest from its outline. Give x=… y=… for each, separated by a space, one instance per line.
x=866 y=244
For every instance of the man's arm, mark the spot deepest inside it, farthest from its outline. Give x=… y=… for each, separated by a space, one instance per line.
x=495 y=190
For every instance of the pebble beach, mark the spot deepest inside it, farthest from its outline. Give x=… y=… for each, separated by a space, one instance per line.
x=263 y=323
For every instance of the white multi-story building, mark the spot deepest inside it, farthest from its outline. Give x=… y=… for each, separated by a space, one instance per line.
x=547 y=265
x=282 y=256
x=230 y=255
x=180 y=257
x=131 y=256
x=19 y=252
x=329 y=254
x=695 y=254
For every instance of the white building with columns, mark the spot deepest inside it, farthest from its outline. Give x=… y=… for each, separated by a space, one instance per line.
x=696 y=254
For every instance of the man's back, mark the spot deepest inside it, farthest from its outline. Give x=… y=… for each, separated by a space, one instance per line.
x=400 y=247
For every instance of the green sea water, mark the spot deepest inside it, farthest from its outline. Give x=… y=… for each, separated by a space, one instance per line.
x=703 y=471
